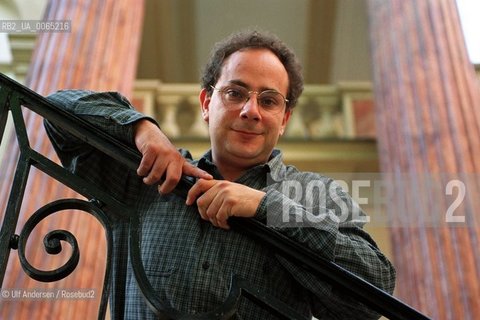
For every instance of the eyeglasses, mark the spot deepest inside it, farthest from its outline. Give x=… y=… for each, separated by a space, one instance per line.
x=235 y=97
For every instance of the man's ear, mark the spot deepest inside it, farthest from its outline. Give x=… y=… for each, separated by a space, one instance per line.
x=204 y=103
x=285 y=119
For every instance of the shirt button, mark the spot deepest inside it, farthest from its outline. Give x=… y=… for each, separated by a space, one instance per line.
x=205 y=265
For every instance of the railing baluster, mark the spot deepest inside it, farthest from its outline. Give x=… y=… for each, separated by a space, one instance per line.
x=12 y=211
x=3 y=111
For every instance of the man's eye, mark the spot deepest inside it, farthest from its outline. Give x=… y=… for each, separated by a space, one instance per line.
x=268 y=102
x=234 y=94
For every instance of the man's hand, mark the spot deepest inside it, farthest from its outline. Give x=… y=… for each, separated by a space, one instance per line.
x=160 y=159
x=217 y=200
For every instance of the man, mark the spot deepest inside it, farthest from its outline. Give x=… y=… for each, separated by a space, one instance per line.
x=249 y=88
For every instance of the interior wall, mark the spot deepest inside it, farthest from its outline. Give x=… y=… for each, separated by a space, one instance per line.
x=22 y=9
x=351 y=56
x=219 y=18
x=329 y=36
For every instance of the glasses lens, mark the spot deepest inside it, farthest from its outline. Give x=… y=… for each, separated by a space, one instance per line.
x=271 y=100
x=236 y=97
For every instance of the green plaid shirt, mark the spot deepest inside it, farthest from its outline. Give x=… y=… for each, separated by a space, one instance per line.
x=188 y=261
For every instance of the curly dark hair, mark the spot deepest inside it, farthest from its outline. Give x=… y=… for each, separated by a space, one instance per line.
x=254 y=39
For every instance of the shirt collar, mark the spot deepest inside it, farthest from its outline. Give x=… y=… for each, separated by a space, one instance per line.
x=206 y=163
x=274 y=166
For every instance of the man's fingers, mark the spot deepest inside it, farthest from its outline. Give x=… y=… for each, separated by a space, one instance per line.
x=172 y=177
x=199 y=188
x=212 y=205
x=145 y=165
x=193 y=171
x=174 y=173
x=222 y=213
x=156 y=173
x=154 y=169
x=211 y=202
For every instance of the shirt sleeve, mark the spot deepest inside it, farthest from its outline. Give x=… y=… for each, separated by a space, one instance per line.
x=112 y=113
x=329 y=223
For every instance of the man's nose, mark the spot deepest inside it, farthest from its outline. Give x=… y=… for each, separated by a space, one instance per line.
x=251 y=108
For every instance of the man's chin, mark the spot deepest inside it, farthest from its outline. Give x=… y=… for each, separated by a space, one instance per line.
x=249 y=155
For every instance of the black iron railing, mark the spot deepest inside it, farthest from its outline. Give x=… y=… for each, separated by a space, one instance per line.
x=126 y=225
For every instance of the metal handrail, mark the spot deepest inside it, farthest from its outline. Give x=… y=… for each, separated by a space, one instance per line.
x=13 y=94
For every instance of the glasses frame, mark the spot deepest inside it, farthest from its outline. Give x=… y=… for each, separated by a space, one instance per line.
x=250 y=92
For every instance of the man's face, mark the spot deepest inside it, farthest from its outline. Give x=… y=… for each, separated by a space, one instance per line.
x=246 y=137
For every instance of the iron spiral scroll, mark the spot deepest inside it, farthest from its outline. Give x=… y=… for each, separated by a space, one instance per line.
x=52 y=243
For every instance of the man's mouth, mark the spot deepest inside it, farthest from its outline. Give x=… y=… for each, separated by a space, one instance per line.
x=247 y=132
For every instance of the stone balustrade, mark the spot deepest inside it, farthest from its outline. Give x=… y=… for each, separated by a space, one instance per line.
x=338 y=111
x=342 y=111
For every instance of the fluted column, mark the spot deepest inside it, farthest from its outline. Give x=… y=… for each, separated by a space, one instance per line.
x=100 y=53
x=428 y=123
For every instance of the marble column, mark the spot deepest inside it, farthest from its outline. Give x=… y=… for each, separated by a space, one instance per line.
x=428 y=121
x=100 y=53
